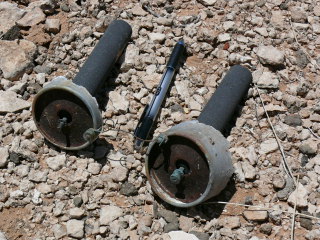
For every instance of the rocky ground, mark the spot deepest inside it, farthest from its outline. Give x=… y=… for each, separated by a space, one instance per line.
x=46 y=193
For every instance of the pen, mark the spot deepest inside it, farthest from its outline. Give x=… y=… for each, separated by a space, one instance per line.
x=151 y=111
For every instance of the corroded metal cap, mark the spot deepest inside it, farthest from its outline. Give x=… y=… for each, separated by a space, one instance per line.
x=66 y=114
x=201 y=152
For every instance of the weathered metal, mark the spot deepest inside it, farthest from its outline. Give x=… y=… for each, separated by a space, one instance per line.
x=66 y=112
x=191 y=163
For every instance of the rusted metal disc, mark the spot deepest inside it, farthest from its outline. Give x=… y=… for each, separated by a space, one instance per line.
x=168 y=157
x=64 y=112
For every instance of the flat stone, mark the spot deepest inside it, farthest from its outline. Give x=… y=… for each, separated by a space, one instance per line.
x=207 y=2
x=109 y=214
x=179 y=235
x=16 y=58
x=4 y=156
x=53 y=25
x=138 y=11
x=268 y=146
x=270 y=55
x=157 y=37
x=268 y=80
x=118 y=102
x=75 y=228
x=57 y=162
x=9 y=14
x=9 y=102
x=299 y=196
x=258 y=216
x=32 y=17
x=230 y=222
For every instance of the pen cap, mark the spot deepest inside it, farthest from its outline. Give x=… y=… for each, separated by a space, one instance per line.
x=176 y=55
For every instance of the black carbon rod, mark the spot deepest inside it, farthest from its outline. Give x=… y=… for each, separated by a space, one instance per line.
x=222 y=105
x=96 y=69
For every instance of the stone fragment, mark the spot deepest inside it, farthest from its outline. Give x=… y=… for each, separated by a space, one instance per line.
x=183 y=88
x=57 y=162
x=316 y=10
x=75 y=228
x=47 y=6
x=268 y=80
x=309 y=147
x=268 y=146
x=9 y=102
x=32 y=17
x=306 y=222
x=169 y=216
x=2 y=236
x=151 y=80
x=299 y=196
x=277 y=19
x=293 y=120
x=258 y=216
x=4 y=156
x=109 y=214
x=138 y=11
x=270 y=55
x=179 y=235
x=298 y=15
x=94 y=168
x=9 y=14
x=118 y=102
x=128 y=189
x=248 y=170
x=266 y=228
x=224 y=37
x=53 y=25
x=207 y=2
x=230 y=222
x=16 y=58
x=59 y=231
x=157 y=37
x=119 y=173
x=289 y=188
x=278 y=182
x=185 y=223
x=169 y=227
x=76 y=213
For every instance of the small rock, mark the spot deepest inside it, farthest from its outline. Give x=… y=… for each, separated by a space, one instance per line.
x=201 y=235
x=151 y=80
x=76 y=213
x=231 y=222
x=270 y=55
x=309 y=147
x=306 y=222
x=4 y=157
x=157 y=37
x=268 y=146
x=224 y=37
x=299 y=196
x=53 y=25
x=119 y=173
x=118 y=102
x=183 y=89
x=248 y=170
x=266 y=228
x=2 y=236
x=207 y=2
x=9 y=14
x=293 y=120
x=298 y=15
x=128 y=189
x=75 y=228
x=173 y=226
x=9 y=102
x=33 y=17
x=59 y=231
x=278 y=182
x=289 y=188
x=16 y=58
x=109 y=214
x=77 y=201
x=259 y=215
x=179 y=235
x=302 y=58
x=185 y=223
x=268 y=80
x=94 y=168
x=169 y=216
x=57 y=162
x=138 y=11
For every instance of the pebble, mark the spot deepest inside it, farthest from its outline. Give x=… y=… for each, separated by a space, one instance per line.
x=109 y=214
x=258 y=216
x=185 y=223
x=157 y=37
x=270 y=55
x=268 y=80
x=94 y=168
x=76 y=213
x=53 y=25
x=119 y=102
x=75 y=228
x=59 y=231
x=32 y=18
x=299 y=197
x=306 y=222
x=128 y=189
x=266 y=229
x=2 y=236
x=293 y=120
x=138 y=11
x=309 y=147
x=57 y=162
x=4 y=157
x=230 y=222
x=268 y=146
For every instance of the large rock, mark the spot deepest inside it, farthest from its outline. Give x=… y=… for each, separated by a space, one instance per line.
x=9 y=14
x=109 y=213
x=4 y=154
x=270 y=55
x=9 y=102
x=75 y=228
x=16 y=58
x=32 y=17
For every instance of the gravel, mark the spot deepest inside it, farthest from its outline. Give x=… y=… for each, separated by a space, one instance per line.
x=102 y=192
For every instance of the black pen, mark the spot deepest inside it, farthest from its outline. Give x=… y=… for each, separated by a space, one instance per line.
x=151 y=111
